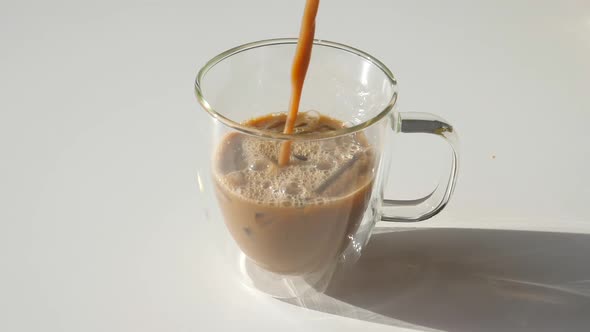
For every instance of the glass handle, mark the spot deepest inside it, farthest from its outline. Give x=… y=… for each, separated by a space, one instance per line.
x=431 y=204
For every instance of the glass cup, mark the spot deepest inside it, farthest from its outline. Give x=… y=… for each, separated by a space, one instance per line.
x=288 y=234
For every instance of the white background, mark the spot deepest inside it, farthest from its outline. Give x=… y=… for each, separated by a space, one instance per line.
x=100 y=223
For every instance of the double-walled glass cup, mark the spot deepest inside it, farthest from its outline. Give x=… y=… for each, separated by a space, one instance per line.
x=289 y=236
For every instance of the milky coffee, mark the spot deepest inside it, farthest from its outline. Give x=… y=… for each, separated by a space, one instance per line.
x=296 y=218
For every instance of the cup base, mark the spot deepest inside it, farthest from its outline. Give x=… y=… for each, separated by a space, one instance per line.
x=283 y=286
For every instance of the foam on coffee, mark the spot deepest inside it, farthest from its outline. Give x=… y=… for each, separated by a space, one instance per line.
x=257 y=177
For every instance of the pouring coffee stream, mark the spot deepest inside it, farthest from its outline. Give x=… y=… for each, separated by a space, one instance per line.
x=298 y=72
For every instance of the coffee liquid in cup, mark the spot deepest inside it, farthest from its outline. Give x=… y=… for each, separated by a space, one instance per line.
x=295 y=218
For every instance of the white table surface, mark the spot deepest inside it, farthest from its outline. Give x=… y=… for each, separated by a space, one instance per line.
x=100 y=223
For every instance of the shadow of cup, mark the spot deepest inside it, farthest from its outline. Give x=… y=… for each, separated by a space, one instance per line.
x=465 y=280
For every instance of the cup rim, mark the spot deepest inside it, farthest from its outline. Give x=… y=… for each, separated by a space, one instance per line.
x=291 y=137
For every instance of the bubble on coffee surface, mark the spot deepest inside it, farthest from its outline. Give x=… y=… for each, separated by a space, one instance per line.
x=235 y=179
x=291 y=189
x=261 y=180
x=259 y=165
